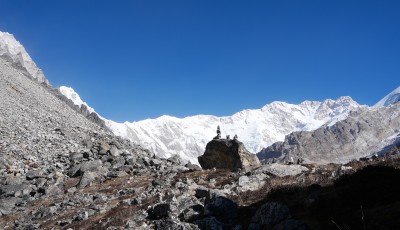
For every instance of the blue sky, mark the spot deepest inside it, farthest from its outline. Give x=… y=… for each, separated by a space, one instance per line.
x=133 y=60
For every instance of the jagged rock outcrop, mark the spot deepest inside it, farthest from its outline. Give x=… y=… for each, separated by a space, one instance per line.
x=363 y=133
x=227 y=154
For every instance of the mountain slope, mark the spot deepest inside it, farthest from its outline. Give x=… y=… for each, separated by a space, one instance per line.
x=365 y=132
x=390 y=99
x=13 y=51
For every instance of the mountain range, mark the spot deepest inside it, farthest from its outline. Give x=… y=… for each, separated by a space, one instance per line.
x=187 y=137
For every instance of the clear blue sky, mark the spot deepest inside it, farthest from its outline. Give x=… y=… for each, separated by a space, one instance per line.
x=132 y=60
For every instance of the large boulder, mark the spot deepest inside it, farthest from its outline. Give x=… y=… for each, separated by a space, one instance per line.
x=227 y=154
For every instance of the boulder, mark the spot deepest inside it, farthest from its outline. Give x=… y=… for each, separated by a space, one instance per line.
x=270 y=214
x=227 y=154
x=209 y=223
x=7 y=205
x=282 y=170
x=222 y=208
x=159 y=211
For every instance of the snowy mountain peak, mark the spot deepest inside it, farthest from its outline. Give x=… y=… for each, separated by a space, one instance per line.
x=74 y=97
x=390 y=99
x=13 y=51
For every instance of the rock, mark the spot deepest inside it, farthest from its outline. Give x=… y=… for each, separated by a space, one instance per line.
x=114 y=151
x=291 y=225
x=209 y=223
x=74 y=171
x=7 y=205
x=222 y=208
x=15 y=190
x=158 y=182
x=104 y=148
x=270 y=214
x=227 y=154
x=170 y=224
x=87 y=178
x=34 y=174
x=201 y=192
x=191 y=213
x=76 y=157
x=155 y=162
x=115 y=174
x=159 y=211
x=81 y=216
x=175 y=159
x=192 y=167
x=90 y=166
x=53 y=190
x=251 y=183
x=282 y=170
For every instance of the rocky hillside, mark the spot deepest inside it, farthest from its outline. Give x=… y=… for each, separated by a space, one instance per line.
x=365 y=132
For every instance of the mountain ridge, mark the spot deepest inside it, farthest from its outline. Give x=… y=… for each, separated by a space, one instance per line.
x=188 y=136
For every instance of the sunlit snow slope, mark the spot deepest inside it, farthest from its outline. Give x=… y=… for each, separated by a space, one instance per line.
x=13 y=51
x=390 y=99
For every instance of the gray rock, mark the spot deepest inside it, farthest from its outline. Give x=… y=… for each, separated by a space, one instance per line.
x=87 y=178
x=282 y=170
x=114 y=151
x=158 y=182
x=34 y=174
x=227 y=154
x=175 y=159
x=251 y=183
x=76 y=157
x=91 y=166
x=15 y=190
x=7 y=205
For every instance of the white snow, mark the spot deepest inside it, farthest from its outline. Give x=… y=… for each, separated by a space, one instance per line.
x=74 y=97
x=391 y=98
x=11 y=49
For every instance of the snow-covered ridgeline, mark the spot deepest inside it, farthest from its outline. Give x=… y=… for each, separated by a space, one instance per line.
x=391 y=98
x=12 y=50
x=257 y=128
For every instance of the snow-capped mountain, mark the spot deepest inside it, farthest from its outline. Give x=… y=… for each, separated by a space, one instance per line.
x=257 y=128
x=390 y=99
x=74 y=97
x=12 y=50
